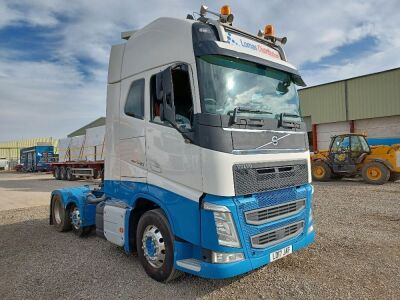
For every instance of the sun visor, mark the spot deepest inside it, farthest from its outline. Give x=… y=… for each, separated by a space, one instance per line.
x=220 y=48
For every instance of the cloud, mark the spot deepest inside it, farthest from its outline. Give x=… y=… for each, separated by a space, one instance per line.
x=66 y=86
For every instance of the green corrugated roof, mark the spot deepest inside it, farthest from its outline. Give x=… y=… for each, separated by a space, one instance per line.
x=96 y=123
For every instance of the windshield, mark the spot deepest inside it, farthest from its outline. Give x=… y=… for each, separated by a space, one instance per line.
x=227 y=83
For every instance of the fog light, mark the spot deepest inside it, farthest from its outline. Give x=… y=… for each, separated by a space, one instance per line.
x=226 y=257
x=310 y=229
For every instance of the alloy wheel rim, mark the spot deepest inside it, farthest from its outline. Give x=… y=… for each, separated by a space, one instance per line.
x=153 y=246
x=76 y=218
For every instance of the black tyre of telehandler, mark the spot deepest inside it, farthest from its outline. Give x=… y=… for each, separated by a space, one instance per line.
x=375 y=173
x=321 y=171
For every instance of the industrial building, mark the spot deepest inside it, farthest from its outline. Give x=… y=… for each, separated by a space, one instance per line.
x=368 y=104
x=10 y=151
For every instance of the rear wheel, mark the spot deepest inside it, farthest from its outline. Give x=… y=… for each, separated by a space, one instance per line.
x=69 y=174
x=321 y=171
x=375 y=173
x=63 y=173
x=60 y=216
x=57 y=174
x=76 y=222
x=155 y=246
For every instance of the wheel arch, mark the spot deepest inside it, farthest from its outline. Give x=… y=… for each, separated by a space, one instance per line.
x=142 y=204
x=384 y=162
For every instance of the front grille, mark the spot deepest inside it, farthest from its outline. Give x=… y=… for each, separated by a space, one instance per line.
x=260 y=177
x=272 y=237
x=273 y=213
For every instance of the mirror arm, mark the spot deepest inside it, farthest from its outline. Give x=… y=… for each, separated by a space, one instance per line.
x=187 y=138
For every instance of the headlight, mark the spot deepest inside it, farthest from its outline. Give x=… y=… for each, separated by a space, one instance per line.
x=226 y=230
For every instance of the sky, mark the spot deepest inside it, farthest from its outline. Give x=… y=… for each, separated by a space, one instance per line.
x=54 y=53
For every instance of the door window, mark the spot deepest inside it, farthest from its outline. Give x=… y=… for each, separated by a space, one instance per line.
x=182 y=96
x=183 y=100
x=341 y=144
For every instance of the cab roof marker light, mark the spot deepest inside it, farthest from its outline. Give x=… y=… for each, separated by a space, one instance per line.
x=269 y=34
x=225 y=15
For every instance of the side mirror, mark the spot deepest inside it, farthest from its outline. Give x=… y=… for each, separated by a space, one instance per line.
x=168 y=112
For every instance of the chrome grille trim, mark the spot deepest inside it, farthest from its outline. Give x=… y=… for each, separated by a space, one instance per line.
x=272 y=213
x=278 y=235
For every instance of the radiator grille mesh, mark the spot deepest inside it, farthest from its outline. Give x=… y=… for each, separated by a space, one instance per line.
x=261 y=177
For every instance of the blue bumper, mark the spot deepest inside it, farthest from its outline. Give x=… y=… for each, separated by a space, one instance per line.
x=221 y=271
x=254 y=257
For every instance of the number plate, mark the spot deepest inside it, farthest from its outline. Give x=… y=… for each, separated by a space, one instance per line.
x=280 y=253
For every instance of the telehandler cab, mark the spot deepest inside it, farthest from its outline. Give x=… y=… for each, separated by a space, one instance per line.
x=350 y=155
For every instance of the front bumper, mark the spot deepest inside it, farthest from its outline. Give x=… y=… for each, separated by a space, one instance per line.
x=220 y=271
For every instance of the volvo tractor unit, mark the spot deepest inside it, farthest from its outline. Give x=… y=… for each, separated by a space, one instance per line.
x=207 y=167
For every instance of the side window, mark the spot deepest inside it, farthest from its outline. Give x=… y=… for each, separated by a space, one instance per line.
x=134 y=105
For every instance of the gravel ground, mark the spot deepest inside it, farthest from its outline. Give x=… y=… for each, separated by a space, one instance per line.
x=356 y=255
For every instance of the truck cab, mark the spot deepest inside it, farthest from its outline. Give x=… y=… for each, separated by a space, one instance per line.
x=207 y=167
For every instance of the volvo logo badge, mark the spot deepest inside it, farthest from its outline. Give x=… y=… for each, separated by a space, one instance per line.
x=274 y=140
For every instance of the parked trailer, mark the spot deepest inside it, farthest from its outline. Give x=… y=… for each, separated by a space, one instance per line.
x=71 y=170
x=207 y=162
x=81 y=156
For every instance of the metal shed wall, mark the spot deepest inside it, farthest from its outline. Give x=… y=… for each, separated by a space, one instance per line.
x=372 y=96
x=325 y=103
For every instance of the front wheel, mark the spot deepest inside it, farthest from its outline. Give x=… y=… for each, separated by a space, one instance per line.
x=155 y=246
x=320 y=171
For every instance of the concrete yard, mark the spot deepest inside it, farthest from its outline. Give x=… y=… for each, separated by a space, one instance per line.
x=356 y=253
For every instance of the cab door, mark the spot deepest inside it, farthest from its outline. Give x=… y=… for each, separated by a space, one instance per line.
x=173 y=162
x=341 y=158
x=132 y=138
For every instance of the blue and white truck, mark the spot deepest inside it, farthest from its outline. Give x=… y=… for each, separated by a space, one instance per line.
x=207 y=166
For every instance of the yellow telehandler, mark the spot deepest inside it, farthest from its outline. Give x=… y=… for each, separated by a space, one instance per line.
x=350 y=155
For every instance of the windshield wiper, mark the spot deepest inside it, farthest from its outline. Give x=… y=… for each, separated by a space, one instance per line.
x=286 y=123
x=239 y=109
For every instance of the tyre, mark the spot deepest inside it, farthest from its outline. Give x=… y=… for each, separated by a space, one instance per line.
x=69 y=175
x=63 y=173
x=321 y=171
x=60 y=216
x=57 y=174
x=375 y=173
x=155 y=246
